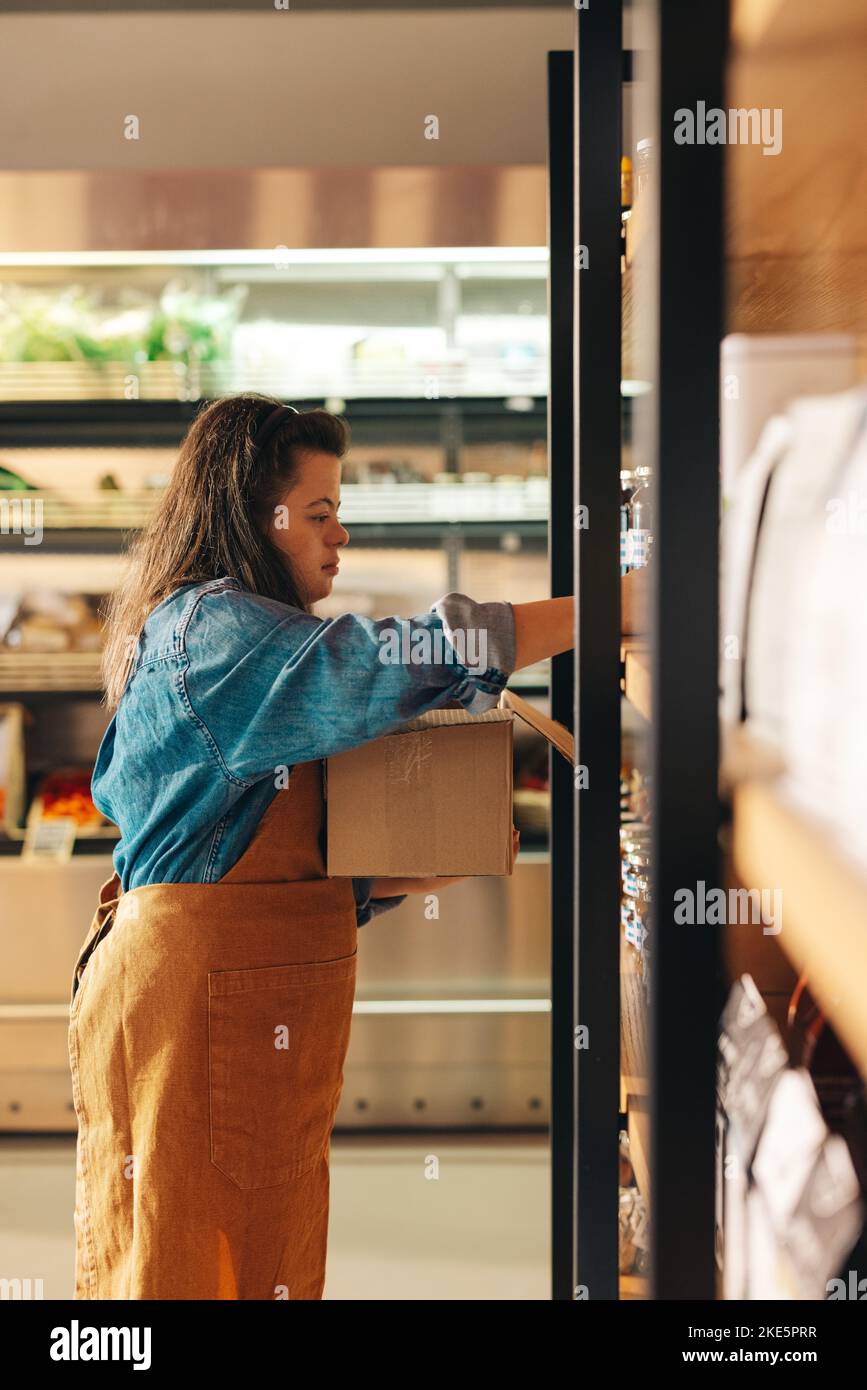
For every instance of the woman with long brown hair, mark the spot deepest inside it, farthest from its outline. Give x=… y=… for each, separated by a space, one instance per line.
x=212 y=997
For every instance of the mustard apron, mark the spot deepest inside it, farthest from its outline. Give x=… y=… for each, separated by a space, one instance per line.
x=208 y=1029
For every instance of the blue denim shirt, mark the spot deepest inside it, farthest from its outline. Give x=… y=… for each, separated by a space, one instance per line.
x=228 y=688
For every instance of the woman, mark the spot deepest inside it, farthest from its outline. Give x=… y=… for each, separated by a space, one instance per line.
x=212 y=997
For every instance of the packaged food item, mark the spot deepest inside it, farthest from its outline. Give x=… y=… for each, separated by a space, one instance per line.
x=633 y=1232
x=644 y=164
x=635 y=844
x=636 y=538
x=625 y=205
x=11 y=765
x=50 y=621
x=627 y=1174
x=13 y=482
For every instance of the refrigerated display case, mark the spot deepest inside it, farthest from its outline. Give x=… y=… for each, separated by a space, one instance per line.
x=415 y=324
x=451 y=1025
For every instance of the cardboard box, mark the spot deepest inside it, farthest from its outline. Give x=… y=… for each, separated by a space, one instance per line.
x=635 y=587
x=432 y=799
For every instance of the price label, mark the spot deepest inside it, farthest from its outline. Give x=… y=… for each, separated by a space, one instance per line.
x=51 y=839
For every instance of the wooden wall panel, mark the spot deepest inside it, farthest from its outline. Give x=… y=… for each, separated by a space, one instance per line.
x=797 y=221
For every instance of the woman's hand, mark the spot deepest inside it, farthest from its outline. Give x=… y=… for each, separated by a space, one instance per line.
x=395 y=887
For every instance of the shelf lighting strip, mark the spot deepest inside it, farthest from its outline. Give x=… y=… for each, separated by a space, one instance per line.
x=267 y=256
x=39 y=1013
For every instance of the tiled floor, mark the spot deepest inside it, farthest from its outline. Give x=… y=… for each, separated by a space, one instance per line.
x=426 y=1217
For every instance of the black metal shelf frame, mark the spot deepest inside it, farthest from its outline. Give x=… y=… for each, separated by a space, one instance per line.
x=560 y=217
x=682 y=280
x=483 y=535
x=162 y=424
x=687 y=991
x=599 y=71
x=585 y=417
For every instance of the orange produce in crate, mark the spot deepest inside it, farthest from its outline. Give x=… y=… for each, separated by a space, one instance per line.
x=67 y=795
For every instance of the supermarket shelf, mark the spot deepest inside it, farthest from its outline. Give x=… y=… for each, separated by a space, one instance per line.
x=533 y=856
x=391 y=515
x=94 y=423
x=632 y=1086
x=389 y=535
x=482 y=375
x=41 y=1012
x=445 y=502
x=10 y=846
x=535 y=678
x=772 y=26
x=23 y=511
x=744 y=757
x=371 y=503
x=824 y=898
x=14 y=694
x=46 y=673
x=17 y=836
x=637 y=680
x=34 y=1013
x=173 y=382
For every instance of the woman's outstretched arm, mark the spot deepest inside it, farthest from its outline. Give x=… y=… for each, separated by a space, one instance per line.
x=543 y=629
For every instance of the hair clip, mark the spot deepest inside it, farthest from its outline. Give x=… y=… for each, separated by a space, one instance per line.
x=271 y=423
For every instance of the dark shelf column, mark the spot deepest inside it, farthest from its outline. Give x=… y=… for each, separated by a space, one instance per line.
x=598 y=98
x=686 y=992
x=561 y=240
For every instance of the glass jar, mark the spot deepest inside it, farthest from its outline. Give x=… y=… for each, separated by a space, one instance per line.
x=643 y=166
x=635 y=522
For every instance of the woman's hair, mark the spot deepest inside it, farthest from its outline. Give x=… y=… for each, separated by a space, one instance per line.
x=212 y=518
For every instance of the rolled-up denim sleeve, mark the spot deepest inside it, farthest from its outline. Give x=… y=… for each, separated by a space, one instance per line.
x=366 y=907
x=483 y=635
x=270 y=685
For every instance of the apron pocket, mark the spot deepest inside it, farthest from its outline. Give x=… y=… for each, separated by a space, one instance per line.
x=277 y=1041
x=84 y=963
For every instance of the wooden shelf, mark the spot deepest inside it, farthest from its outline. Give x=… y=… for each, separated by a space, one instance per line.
x=634 y=1286
x=638 y=677
x=632 y=1086
x=824 y=901
x=746 y=758
x=780 y=24
x=43 y=672
x=796 y=258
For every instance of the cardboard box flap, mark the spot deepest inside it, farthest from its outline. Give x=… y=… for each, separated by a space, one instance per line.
x=436 y=717
x=556 y=733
